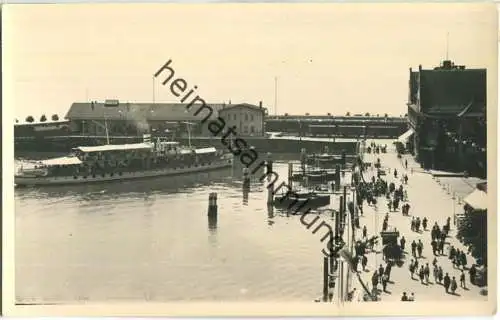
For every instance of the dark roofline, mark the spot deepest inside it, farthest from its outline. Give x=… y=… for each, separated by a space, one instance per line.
x=244 y=105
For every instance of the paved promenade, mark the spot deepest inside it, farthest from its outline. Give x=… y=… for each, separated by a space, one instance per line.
x=427 y=199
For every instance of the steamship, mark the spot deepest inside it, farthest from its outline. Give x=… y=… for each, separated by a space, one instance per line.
x=110 y=162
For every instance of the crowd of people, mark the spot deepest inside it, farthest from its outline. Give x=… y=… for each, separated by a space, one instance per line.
x=419 y=266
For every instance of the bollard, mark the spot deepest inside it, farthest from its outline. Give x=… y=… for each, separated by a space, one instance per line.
x=212 y=204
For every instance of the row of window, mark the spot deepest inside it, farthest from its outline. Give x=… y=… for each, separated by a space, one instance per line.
x=247 y=117
x=111 y=174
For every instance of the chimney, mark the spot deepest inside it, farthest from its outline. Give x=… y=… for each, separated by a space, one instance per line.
x=260 y=104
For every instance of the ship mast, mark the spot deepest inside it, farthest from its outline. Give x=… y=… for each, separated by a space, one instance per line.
x=188 y=126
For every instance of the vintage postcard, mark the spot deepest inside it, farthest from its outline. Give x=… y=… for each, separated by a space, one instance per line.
x=249 y=159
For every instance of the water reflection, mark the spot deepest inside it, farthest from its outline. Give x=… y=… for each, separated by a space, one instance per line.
x=212 y=223
x=270 y=214
x=246 y=191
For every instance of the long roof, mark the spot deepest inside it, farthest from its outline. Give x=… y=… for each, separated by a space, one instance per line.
x=63 y=161
x=244 y=105
x=115 y=147
x=138 y=111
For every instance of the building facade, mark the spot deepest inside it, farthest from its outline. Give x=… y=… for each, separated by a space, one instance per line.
x=247 y=118
x=117 y=118
x=447 y=118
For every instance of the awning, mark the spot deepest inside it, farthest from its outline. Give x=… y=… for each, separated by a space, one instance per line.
x=406 y=136
x=478 y=200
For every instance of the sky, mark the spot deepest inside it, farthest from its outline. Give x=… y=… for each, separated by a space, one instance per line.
x=327 y=58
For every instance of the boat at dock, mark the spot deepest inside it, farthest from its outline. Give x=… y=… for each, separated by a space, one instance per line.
x=91 y=164
x=301 y=201
x=315 y=175
x=326 y=160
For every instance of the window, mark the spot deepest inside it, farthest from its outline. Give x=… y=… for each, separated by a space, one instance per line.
x=234 y=117
x=246 y=116
x=251 y=117
x=252 y=129
x=245 y=129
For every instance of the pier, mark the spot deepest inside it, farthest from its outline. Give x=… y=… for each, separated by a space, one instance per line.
x=446 y=203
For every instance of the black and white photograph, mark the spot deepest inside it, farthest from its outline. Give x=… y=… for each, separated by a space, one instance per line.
x=331 y=156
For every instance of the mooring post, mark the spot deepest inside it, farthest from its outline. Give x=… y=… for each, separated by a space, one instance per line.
x=270 y=193
x=325 y=279
x=269 y=163
x=246 y=178
x=303 y=159
x=337 y=177
x=212 y=204
x=290 y=173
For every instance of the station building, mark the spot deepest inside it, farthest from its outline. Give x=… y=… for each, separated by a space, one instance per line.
x=447 y=118
x=248 y=119
x=136 y=118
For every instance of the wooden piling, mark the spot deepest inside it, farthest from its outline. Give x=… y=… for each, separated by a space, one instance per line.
x=325 y=279
x=270 y=194
x=269 y=163
x=303 y=159
x=290 y=173
x=246 y=178
x=212 y=204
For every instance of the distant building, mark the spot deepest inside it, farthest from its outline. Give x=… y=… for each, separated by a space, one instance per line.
x=131 y=118
x=447 y=118
x=39 y=129
x=247 y=118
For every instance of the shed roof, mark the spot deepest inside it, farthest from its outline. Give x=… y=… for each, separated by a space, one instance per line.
x=136 y=111
x=115 y=147
x=243 y=105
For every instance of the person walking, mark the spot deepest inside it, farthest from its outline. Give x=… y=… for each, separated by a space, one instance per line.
x=375 y=281
x=365 y=232
x=404 y=297
x=462 y=280
x=412 y=268
x=446 y=283
x=413 y=224
x=434 y=247
x=420 y=248
x=440 y=274
x=414 y=249
x=427 y=273
x=387 y=271
x=472 y=274
x=385 y=280
x=380 y=271
x=453 y=285
x=435 y=273
x=421 y=274
x=424 y=224
x=402 y=242
x=406 y=164
x=364 y=262
x=441 y=247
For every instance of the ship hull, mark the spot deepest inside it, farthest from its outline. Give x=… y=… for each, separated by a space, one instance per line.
x=23 y=181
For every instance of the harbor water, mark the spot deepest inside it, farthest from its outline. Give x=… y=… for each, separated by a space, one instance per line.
x=150 y=240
